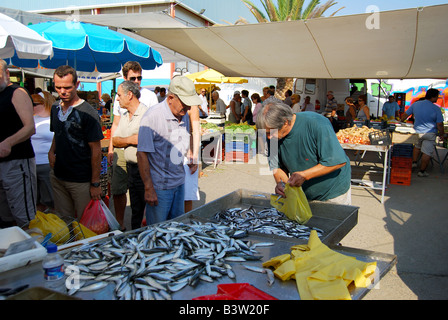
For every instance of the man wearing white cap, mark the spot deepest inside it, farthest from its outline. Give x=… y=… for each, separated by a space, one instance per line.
x=163 y=141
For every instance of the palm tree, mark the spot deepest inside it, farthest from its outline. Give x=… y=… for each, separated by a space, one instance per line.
x=288 y=10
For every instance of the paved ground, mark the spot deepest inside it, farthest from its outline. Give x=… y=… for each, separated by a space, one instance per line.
x=411 y=223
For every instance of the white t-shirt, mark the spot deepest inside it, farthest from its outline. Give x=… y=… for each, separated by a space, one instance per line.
x=296 y=108
x=147 y=97
x=42 y=139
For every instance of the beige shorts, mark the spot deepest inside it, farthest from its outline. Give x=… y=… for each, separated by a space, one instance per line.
x=426 y=143
x=119 y=181
x=345 y=199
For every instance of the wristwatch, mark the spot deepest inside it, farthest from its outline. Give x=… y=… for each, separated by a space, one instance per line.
x=95 y=184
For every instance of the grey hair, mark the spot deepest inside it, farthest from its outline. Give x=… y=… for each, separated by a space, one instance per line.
x=274 y=115
x=3 y=65
x=131 y=86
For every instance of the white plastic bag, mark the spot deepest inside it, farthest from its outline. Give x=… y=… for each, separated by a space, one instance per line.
x=113 y=223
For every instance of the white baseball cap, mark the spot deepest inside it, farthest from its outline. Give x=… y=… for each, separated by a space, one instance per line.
x=184 y=88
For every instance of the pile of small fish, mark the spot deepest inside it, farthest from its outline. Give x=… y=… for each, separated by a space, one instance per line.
x=162 y=259
x=267 y=221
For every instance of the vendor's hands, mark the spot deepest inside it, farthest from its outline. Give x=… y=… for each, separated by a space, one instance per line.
x=280 y=189
x=296 y=179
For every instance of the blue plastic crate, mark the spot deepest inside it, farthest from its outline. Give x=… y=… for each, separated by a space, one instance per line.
x=234 y=146
x=402 y=150
x=237 y=146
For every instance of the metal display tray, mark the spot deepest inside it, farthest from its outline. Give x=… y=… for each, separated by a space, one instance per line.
x=334 y=220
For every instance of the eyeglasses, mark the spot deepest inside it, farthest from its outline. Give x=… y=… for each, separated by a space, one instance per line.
x=139 y=78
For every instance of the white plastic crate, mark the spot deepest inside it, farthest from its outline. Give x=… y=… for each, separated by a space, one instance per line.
x=15 y=234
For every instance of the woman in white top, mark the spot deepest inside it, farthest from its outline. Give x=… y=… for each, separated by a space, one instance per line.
x=41 y=142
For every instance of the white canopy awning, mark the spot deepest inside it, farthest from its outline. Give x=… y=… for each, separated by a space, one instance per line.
x=410 y=43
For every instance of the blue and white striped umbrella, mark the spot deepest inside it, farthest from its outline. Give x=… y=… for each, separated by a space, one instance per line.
x=87 y=47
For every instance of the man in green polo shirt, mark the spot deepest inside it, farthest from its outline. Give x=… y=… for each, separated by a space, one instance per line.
x=308 y=154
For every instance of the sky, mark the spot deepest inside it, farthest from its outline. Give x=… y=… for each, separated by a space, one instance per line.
x=360 y=6
x=350 y=6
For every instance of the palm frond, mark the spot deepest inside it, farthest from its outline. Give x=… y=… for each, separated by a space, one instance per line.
x=241 y=20
x=320 y=10
x=255 y=11
x=296 y=10
x=311 y=6
x=332 y=15
x=287 y=10
x=272 y=11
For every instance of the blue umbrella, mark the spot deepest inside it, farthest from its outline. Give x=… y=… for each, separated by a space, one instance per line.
x=87 y=47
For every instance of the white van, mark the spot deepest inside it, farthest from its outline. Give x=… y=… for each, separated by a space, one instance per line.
x=317 y=90
x=377 y=91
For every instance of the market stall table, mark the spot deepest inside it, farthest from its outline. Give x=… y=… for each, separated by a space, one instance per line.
x=336 y=220
x=381 y=149
x=283 y=290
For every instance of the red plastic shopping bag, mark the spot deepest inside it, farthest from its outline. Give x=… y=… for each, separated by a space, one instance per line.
x=94 y=218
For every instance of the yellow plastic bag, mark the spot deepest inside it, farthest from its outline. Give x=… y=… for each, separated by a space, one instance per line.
x=295 y=206
x=322 y=273
x=82 y=232
x=51 y=223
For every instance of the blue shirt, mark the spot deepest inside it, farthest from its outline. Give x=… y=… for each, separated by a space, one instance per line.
x=310 y=142
x=427 y=115
x=165 y=140
x=390 y=108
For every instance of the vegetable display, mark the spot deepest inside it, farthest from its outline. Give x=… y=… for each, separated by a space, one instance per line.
x=355 y=135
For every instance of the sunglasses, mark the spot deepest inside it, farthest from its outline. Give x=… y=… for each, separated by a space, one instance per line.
x=139 y=78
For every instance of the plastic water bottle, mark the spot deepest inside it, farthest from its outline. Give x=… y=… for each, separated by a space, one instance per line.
x=53 y=266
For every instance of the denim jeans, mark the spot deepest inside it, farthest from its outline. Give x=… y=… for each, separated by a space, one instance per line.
x=170 y=205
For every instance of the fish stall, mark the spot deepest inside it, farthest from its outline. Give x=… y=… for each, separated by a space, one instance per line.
x=237 y=241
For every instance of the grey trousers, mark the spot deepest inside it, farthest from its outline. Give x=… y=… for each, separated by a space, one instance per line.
x=18 y=191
